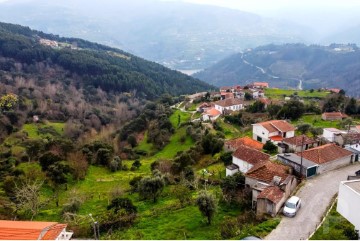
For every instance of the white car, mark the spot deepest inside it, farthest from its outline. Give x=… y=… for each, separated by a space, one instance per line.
x=291 y=207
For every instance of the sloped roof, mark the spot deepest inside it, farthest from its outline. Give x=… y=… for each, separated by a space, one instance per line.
x=266 y=171
x=212 y=112
x=229 y=102
x=246 y=141
x=335 y=114
x=277 y=125
x=325 y=153
x=263 y=84
x=273 y=193
x=29 y=230
x=250 y=155
x=298 y=140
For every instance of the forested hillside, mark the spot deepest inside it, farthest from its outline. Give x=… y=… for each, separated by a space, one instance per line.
x=283 y=66
x=93 y=65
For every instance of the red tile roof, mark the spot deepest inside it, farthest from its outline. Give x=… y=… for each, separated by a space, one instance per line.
x=265 y=171
x=334 y=115
x=325 y=153
x=29 y=230
x=298 y=140
x=262 y=84
x=276 y=138
x=247 y=141
x=230 y=102
x=212 y=112
x=250 y=155
x=277 y=125
x=273 y=193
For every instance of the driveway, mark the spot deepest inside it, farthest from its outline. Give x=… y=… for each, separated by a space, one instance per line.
x=316 y=196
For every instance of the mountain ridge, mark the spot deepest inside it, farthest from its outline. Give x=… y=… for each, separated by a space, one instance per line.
x=283 y=66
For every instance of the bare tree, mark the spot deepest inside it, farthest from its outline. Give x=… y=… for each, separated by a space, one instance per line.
x=78 y=165
x=28 y=197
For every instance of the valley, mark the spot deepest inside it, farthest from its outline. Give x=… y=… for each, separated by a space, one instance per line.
x=180 y=121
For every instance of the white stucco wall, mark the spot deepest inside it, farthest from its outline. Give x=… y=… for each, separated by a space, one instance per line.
x=243 y=166
x=328 y=135
x=219 y=108
x=349 y=203
x=261 y=132
x=231 y=172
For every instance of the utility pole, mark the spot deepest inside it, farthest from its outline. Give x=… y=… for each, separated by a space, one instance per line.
x=301 y=154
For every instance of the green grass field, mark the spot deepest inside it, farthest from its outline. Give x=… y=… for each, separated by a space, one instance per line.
x=166 y=219
x=316 y=121
x=335 y=227
x=280 y=93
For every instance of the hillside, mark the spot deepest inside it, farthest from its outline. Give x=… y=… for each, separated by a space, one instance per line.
x=283 y=66
x=177 y=34
x=91 y=64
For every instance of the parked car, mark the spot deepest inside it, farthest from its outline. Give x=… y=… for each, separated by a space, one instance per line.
x=292 y=206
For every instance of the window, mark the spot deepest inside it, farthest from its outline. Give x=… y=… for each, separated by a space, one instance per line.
x=259 y=139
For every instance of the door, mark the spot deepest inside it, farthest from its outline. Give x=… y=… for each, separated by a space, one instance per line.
x=311 y=171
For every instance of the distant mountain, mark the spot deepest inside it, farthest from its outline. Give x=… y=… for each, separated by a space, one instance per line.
x=176 y=34
x=283 y=66
x=350 y=35
x=89 y=65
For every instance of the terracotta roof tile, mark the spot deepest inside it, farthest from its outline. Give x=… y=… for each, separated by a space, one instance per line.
x=298 y=140
x=325 y=153
x=54 y=232
x=246 y=141
x=212 y=112
x=273 y=193
x=335 y=114
x=230 y=102
x=29 y=230
x=277 y=125
x=262 y=84
x=250 y=155
x=266 y=171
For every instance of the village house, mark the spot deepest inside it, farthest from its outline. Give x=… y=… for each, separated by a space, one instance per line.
x=234 y=144
x=330 y=116
x=349 y=202
x=329 y=134
x=355 y=149
x=31 y=230
x=347 y=138
x=203 y=107
x=271 y=184
x=274 y=130
x=244 y=158
x=227 y=95
x=260 y=85
x=297 y=144
x=210 y=114
x=334 y=90
x=318 y=159
x=265 y=101
x=230 y=105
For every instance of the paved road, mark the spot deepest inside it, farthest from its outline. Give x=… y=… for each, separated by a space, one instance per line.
x=316 y=196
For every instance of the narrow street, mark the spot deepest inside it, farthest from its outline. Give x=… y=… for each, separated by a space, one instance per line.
x=316 y=196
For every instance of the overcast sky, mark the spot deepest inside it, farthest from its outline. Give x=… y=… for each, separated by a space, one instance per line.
x=264 y=6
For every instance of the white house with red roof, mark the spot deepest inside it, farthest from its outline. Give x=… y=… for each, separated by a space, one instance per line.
x=271 y=184
x=244 y=158
x=31 y=230
x=210 y=114
x=232 y=104
x=260 y=85
x=274 y=130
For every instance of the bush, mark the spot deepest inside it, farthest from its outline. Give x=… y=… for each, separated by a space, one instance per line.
x=270 y=147
x=73 y=206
